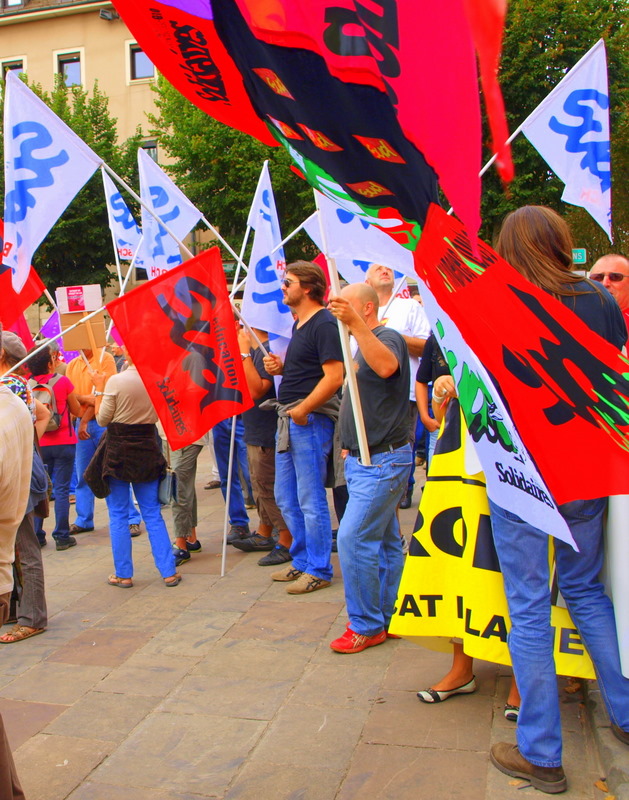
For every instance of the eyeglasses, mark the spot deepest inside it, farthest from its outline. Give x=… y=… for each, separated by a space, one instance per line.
x=288 y=281
x=614 y=277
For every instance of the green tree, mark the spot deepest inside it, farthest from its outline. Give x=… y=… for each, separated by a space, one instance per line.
x=218 y=168
x=79 y=249
x=543 y=40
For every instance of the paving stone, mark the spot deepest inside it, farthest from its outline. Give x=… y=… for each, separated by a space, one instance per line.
x=138 y=615
x=18 y=658
x=284 y=622
x=103 y=715
x=90 y=790
x=148 y=675
x=101 y=600
x=400 y=718
x=181 y=753
x=265 y=660
x=50 y=767
x=60 y=597
x=308 y=736
x=22 y=720
x=267 y=780
x=192 y=633
x=241 y=696
x=51 y=682
x=340 y=687
x=382 y=772
x=106 y=647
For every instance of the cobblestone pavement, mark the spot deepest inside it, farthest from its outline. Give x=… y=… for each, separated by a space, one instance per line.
x=227 y=688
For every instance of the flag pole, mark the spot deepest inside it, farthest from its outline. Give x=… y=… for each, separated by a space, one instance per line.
x=111 y=230
x=300 y=227
x=350 y=373
x=396 y=289
x=228 y=491
x=58 y=336
x=240 y=261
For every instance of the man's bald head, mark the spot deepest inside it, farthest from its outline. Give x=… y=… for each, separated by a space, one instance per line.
x=363 y=299
x=610 y=267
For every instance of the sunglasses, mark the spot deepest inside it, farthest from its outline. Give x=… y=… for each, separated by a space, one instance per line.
x=288 y=281
x=614 y=277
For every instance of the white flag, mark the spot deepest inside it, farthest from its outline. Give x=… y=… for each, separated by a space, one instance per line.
x=262 y=303
x=45 y=165
x=159 y=250
x=122 y=222
x=513 y=480
x=570 y=130
x=355 y=244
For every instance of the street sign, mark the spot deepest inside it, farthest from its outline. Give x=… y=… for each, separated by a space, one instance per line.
x=579 y=255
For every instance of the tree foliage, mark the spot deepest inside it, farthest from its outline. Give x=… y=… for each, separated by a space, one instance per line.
x=218 y=167
x=543 y=40
x=79 y=249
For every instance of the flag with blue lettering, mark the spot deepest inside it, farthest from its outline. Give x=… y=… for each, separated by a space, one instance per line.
x=124 y=228
x=570 y=130
x=262 y=303
x=354 y=243
x=45 y=165
x=160 y=251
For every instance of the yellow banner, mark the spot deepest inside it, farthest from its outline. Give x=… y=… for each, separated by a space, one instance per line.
x=452 y=585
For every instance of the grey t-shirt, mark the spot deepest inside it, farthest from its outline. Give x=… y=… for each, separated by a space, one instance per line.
x=384 y=400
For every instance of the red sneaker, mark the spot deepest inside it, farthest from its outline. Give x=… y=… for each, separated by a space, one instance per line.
x=352 y=642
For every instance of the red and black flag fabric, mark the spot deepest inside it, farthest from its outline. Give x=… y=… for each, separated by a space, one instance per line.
x=376 y=100
x=12 y=303
x=180 y=331
x=566 y=387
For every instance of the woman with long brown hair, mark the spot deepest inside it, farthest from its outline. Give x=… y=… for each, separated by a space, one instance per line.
x=537 y=242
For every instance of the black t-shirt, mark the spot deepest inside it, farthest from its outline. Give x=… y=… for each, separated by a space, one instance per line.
x=384 y=400
x=311 y=345
x=433 y=363
x=260 y=426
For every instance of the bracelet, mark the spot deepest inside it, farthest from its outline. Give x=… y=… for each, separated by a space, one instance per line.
x=99 y=394
x=439 y=398
x=245 y=355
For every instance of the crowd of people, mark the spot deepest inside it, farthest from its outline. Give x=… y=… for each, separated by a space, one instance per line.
x=96 y=425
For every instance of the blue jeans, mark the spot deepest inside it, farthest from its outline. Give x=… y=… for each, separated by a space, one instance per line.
x=59 y=461
x=300 y=494
x=118 y=506
x=243 y=459
x=85 y=449
x=222 y=435
x=369 y=544
x=523 y=554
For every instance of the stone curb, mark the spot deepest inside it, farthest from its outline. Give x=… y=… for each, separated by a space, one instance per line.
x=614 y=755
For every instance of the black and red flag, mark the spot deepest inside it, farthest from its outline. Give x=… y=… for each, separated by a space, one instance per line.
x=566 y=387
x=180 y=331
x=376 y=100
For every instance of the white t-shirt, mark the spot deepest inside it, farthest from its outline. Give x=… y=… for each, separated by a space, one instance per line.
x=408 y=318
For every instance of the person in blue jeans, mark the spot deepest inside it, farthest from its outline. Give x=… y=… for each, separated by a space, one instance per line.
x=537 y=242
x=369 y=543
x=238 y=518
x=307 y=408
x=58 y=446
x=131 y=456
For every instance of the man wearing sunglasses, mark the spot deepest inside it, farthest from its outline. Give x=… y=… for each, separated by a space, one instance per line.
x=613 y=272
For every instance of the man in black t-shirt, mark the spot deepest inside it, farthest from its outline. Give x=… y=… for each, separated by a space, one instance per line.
x=369 y=544
x=260 y=428
x=312 y=374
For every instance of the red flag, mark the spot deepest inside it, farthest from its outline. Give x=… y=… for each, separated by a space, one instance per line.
x=180 y=332
x=397 y=113
x=20 y=326
x=566 y=387
x=13 y=303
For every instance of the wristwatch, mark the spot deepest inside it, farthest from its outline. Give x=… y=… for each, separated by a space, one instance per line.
x=245 y=355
